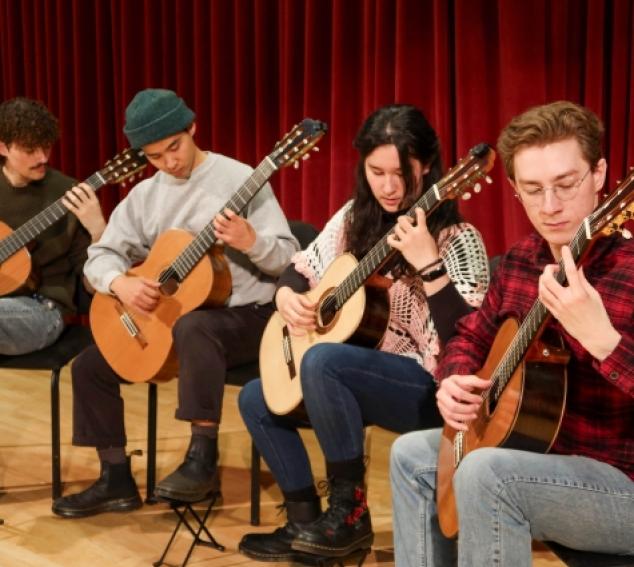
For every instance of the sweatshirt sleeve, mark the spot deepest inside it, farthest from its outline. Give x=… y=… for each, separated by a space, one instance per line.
x=274 y=242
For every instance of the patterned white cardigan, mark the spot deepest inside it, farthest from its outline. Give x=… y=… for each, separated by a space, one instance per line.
x=411 y=330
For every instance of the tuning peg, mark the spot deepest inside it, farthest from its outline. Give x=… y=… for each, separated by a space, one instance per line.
x=477 y=188
x=488 y=180
x=315 y=148
x=296 y=164
x=626 y=233
x=305 y=157
x=466 y=196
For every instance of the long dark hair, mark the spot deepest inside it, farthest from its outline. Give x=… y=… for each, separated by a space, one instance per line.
x=405 y=127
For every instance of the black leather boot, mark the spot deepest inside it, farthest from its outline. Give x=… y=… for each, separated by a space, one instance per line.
x=114 y=491
x=276 y=546
x=197 y=476
x=342 y=529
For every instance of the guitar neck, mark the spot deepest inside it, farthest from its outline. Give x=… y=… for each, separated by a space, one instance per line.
x=532 y=324
x=187 y=260
x=381 y=252
x=40 y=222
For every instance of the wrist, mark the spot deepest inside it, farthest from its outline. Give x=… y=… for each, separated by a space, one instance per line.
x=606 y=345
x=432 y=271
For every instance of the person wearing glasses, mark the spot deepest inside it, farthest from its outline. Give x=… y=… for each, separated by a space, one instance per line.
x=580 y=494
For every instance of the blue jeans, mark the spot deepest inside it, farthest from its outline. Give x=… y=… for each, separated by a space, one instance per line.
x=28 y=324
x=345 y=388
x=505 y=499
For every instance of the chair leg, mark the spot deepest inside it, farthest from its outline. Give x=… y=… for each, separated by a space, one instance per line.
x=55 y=436
x=151 y=443
x=255 y=485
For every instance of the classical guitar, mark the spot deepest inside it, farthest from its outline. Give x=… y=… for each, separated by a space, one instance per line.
x=15 y=260
x=192 y=272
x=524 y=406
x=348 y=307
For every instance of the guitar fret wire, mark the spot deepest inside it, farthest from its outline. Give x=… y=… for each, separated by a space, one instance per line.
x=533 y=320
x=379 y=252
x=40 y=222
x=205 y=239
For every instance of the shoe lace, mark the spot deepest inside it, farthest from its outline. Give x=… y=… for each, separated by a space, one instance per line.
x=344 y=505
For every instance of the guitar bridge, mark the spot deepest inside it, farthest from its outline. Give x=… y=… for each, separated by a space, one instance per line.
x=287 y=347
x=458 y=448
x=130 y=325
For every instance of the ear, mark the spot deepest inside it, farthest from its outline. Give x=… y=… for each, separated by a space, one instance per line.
x=192 y=129
x=598 y=175
x=4 y=150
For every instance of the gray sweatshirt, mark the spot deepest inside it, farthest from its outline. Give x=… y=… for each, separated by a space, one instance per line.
x=164 y=202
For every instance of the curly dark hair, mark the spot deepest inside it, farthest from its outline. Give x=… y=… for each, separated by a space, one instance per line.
x=405 y=127
x=28 y=123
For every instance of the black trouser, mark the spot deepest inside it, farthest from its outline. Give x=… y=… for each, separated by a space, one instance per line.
x=207 y=342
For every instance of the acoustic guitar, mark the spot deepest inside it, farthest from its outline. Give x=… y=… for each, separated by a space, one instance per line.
x=348 y=307
x=192 y=271
x=16 y=268
x=524 y=406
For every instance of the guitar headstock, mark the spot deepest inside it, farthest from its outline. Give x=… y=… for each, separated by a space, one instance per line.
x=124 y=166
x=298 y=142
x=465 y=175
x=611 y=215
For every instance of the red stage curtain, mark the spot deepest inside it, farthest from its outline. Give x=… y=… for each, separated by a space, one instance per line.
x=253 y=68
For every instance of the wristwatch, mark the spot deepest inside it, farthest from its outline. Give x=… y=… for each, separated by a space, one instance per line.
x=428 y=277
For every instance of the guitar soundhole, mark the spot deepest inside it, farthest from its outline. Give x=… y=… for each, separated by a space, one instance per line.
x=169 y=282
x=327 y=311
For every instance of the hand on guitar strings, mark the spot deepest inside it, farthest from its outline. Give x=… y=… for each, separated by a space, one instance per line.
x=458 y=399
x=139 y=293
x=83 y=203
x=578 y=307
x=234 y=230
x=413 y=240
x=297 y=310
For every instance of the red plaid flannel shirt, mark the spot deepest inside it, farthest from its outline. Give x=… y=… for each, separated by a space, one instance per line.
x=599 y=415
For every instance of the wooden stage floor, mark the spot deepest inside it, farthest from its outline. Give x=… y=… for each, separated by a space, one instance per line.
x=32 y=536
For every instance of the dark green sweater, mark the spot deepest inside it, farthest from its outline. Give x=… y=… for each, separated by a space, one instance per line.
x=58 y=254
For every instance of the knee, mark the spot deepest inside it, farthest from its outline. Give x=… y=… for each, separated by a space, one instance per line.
x=187 y=324
x=414 y=456
x=251 y=401
x=318 y=361
x=478 y=473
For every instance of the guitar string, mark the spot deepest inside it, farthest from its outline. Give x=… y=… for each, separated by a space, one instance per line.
x=366 y=267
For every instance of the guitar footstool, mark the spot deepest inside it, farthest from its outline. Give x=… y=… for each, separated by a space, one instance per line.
x=196 y=524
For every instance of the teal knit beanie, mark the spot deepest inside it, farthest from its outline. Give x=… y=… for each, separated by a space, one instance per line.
x=155 y=114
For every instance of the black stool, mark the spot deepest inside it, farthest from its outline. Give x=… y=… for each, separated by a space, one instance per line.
x=182 y=509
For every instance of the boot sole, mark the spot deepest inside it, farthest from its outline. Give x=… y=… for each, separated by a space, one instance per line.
x=297 y=557
x=362 y=543
x=189 y=498
x=120 y=505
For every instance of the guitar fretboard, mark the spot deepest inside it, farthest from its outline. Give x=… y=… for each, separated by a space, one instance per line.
x=530 y=326
x=380 y=252
x=40 y=222
x=192 y=254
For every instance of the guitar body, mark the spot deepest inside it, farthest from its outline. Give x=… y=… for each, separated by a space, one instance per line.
x=15 y=271
x=149 y=355
x=526 y=416
x=362 y=320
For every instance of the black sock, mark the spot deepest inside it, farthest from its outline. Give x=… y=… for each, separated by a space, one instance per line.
x=352 y=470
x=210 y=431
x=112 y=455
x=307 y=494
